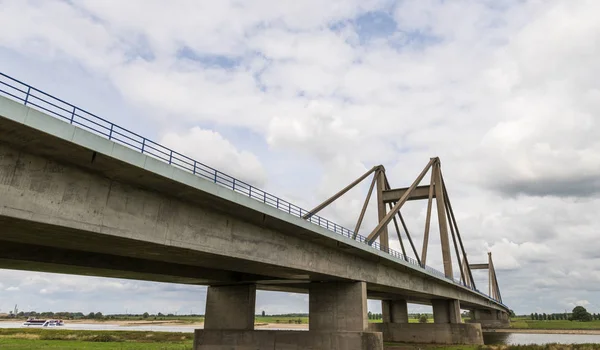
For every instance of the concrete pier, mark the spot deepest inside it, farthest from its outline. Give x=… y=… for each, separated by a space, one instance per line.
x=446 y=329
x=446 y=311
x=338 y=321
x=394 y=311
x=230 y=307
x=338 y=306
x=490 y=319
x=435 y=333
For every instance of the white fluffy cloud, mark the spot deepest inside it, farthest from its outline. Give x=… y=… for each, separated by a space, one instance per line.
x=210 y=148
x=506 y=96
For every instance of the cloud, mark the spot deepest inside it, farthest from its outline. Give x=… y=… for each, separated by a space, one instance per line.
x=303 y=102
x=209 y=147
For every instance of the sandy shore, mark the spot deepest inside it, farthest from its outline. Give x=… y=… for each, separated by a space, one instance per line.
x=122 y=322
x=545 y=331
x=126 y=323
x=280 y=326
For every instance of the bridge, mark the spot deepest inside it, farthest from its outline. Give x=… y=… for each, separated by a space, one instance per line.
x=81 y=195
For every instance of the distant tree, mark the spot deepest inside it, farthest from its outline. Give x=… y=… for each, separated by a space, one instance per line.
x=91 y=315
x=423 y=318
x=536 y=316
x=160 y=314
x=512 y=313
x=99 y=315
x=581 y=314
x=544 y=316
x=263 y=313
x=532 y=316
x=145 y=315
x=370 y=315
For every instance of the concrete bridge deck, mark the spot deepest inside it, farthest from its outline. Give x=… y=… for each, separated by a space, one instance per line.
x=75 y=202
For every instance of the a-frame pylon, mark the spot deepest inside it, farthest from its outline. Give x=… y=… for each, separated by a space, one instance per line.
x=389 y=203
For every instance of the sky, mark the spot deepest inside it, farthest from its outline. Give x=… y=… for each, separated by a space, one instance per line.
x=301 y=97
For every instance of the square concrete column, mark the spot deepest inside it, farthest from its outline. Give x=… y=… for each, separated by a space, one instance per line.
x=230 y=307
x=446 y=311
x=338 y=306
x=394 y=311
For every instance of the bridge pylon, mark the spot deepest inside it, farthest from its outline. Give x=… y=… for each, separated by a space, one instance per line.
x=389 y=202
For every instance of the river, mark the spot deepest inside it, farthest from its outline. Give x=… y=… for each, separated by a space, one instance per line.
x=489 y=338
x=539 y=339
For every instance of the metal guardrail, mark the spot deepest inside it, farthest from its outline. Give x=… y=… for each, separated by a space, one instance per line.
x=30 y=96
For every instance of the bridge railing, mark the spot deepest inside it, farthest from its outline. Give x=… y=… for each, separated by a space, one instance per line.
x=56 y=107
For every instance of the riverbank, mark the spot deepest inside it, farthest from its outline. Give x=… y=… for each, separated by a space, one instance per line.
x=522 y=323
x=545 y=331
x=124 y=323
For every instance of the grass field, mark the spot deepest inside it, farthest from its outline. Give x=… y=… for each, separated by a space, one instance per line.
x=18 y=338
x=523 y=323
x=29 y=344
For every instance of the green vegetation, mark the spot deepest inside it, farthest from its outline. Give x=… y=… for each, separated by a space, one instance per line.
x=19 y=338
x=392 y=346
x=523 y=323
x=28 y=344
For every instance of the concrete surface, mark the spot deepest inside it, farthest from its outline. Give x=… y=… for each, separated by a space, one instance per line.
x=286 y=340
x=449 y=333
x=490 y=319
x=338 y=306
x=394 y=311
x=230 y=307
x=446 y=311
x=74 y=202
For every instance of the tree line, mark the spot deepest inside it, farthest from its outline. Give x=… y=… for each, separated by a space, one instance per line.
x=579 y=313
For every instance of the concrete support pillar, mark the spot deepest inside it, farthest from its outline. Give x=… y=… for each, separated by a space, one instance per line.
x=338 y=306
x=230 y=307
x=490 y=318
x=446 y=311
x=338 y=321
x=394 y=311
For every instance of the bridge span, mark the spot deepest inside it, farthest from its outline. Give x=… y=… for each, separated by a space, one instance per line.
x=80 y=195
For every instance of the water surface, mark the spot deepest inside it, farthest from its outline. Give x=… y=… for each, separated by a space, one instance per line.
x=539 y=339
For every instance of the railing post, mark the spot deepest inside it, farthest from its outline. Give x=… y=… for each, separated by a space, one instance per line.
x=233 y=184
x=277 y=201
x=264 y=197
x=144 y=144
x=250 y=191
x=170 y=157
x=216 y=176
x=289 y=208
x=27 y=95
x=110 y=133
x=72 y=115
x=194 y=172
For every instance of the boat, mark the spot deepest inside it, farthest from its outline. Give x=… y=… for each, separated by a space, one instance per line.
x=43 y=323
